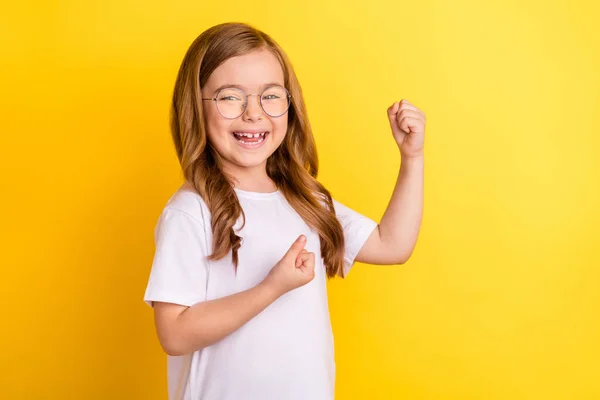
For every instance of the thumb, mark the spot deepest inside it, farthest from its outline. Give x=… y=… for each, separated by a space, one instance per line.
x=392 y=112
x=296 y=247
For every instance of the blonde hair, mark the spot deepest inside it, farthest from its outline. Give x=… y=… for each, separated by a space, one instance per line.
x=293 y=166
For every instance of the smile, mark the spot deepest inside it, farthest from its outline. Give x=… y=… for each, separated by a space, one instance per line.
x=250 y=139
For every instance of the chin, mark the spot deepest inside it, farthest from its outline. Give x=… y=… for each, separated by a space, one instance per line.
x=251 y=162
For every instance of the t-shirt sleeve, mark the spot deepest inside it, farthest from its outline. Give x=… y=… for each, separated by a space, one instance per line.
x=179 y=267
x=357 y=229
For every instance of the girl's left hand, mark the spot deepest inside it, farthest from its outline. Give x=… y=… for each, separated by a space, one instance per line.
x=408 y=126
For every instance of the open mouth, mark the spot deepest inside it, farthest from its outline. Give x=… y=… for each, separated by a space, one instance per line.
x=250 y=138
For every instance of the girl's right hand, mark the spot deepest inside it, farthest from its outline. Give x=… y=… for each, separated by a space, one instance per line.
x=295 y=269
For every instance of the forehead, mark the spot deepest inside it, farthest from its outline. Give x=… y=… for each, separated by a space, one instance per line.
x=250 y=71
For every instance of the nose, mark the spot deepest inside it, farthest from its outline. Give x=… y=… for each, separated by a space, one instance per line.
x=253 y=111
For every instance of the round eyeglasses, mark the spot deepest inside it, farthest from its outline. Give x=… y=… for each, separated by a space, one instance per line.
x=232 y=102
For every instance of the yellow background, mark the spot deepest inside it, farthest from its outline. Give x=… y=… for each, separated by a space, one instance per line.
x=501 y=297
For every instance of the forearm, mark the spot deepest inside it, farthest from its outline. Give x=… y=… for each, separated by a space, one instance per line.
x=208 y=322
x=399 y=227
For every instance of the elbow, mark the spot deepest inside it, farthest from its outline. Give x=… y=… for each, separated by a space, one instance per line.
x=172 y=351
x=170 y=347
x=174 y=334
x=403 y=257
x=399 y=261
x=396 y=252
x=175 y=346
x=171 y=344
x=405 y=254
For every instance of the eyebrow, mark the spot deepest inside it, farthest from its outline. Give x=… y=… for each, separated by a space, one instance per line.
x=233 y=85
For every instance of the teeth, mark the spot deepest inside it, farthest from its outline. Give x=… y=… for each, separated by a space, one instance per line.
x=250 y=135
x=260 y=136
x=253 y=143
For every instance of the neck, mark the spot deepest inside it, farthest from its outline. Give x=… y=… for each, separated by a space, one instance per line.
x=253 y=179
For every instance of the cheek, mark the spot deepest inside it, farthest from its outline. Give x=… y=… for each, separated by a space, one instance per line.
x=216 y=127
x=279 y=125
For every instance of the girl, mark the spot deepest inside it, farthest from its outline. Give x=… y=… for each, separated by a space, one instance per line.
x=244 y=247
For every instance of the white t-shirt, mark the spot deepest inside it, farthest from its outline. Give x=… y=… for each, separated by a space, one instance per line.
x=286 y=351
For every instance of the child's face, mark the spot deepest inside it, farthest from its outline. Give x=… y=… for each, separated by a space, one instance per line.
x=252 y=72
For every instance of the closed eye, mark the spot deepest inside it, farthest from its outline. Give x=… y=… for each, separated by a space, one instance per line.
x=230 y=98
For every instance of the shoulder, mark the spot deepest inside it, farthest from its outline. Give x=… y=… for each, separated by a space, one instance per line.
x=187 y=201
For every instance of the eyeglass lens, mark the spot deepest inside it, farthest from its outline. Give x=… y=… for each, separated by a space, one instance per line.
x=232 y=102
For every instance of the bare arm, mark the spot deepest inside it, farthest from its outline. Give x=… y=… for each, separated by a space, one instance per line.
x=183 y=330
x=396 y=236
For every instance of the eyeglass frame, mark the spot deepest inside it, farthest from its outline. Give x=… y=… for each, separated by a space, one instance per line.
x=246 y=95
